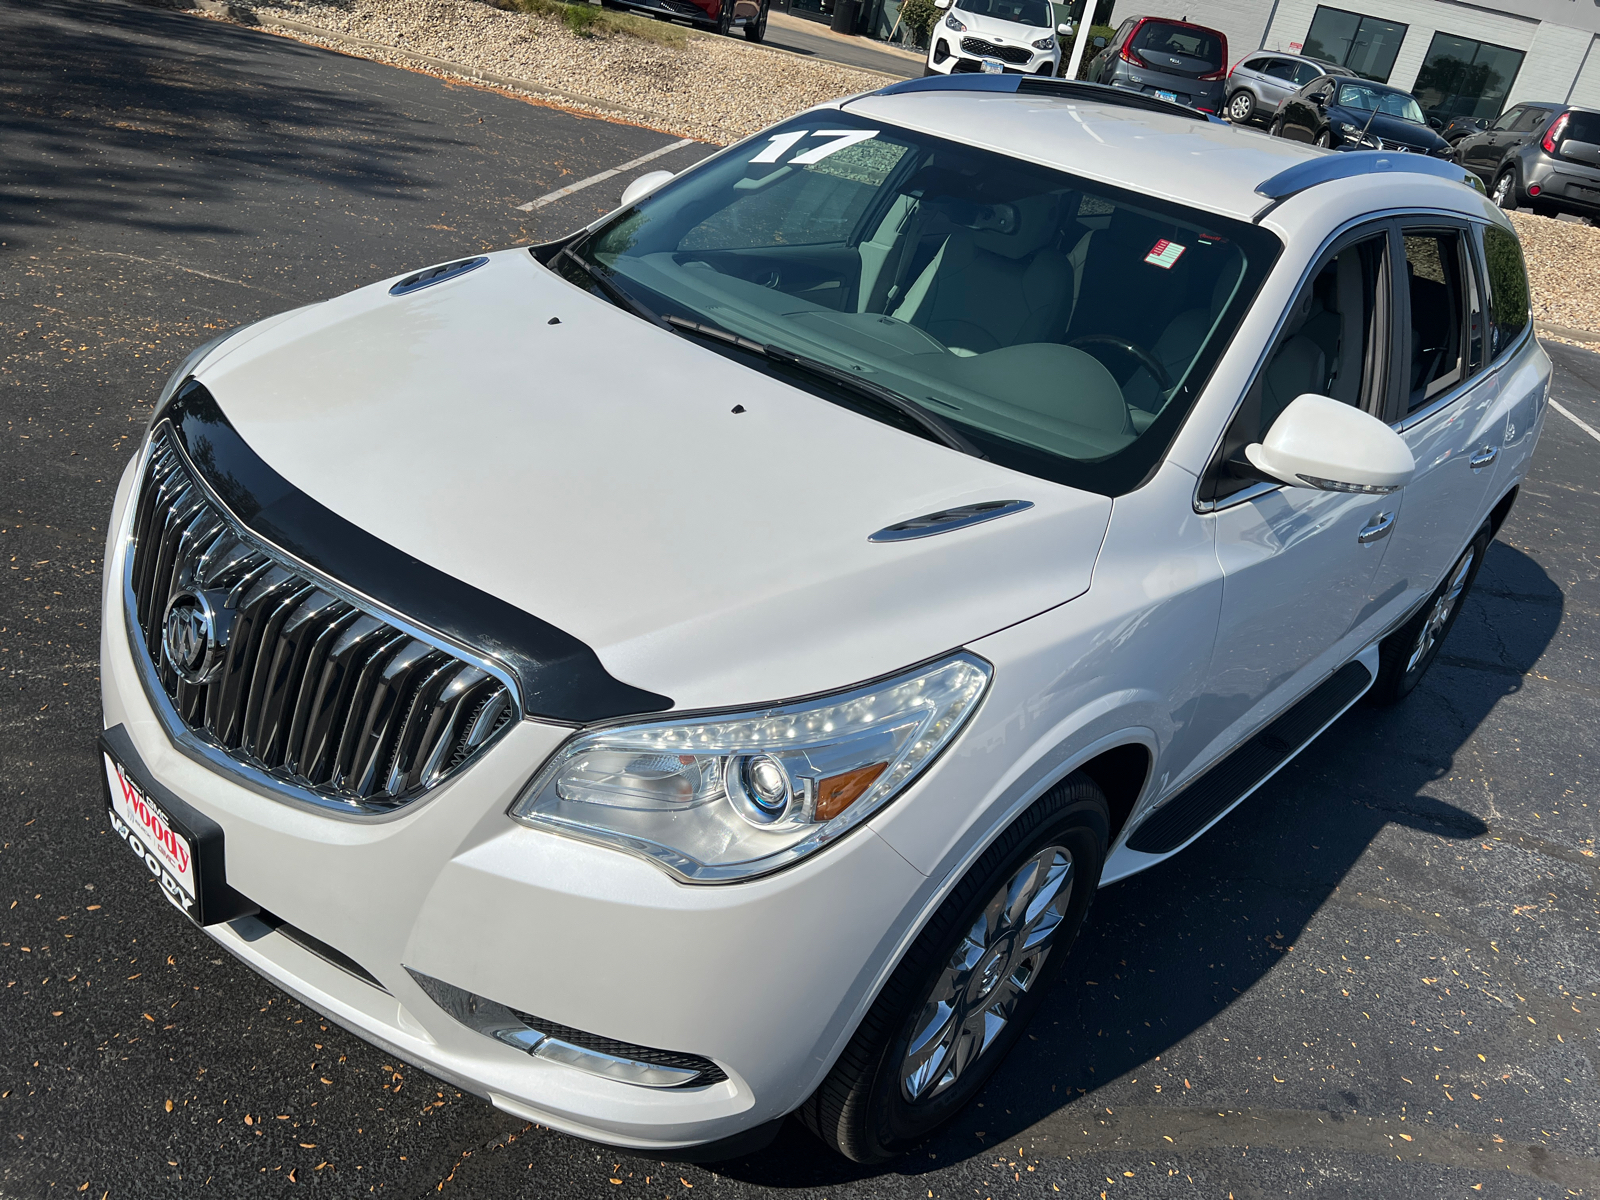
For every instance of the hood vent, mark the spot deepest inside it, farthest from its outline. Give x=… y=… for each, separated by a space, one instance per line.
x=948 y=519
x=433 y=275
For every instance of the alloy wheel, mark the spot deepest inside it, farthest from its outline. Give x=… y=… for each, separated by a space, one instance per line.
x=1241 y=107
x=991 y=968
x=1443 y=606
x=1502 y=190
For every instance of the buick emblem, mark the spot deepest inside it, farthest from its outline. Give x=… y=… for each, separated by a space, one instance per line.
x=189 y=640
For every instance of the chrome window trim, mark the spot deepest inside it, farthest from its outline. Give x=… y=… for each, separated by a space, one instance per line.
x=1244 y=495
x=203 y=752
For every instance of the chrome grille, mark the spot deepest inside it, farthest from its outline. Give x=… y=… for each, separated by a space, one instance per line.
x=305 y=684
x=987 y=49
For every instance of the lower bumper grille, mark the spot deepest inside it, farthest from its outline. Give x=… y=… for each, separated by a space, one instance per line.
x=626 y=1062
x=281 y=671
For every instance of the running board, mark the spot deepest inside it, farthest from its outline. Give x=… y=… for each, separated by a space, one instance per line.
x=1248 y=767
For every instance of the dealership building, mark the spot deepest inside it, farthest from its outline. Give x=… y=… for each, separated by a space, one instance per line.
x=1457 y=58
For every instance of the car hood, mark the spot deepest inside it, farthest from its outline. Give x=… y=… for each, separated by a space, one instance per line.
x=701 y=526
x=994 y=28
x=1393 y=129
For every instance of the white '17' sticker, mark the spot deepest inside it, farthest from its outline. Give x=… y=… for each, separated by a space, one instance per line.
x=781 y=143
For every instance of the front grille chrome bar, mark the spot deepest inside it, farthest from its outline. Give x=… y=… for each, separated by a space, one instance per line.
x=287 y=679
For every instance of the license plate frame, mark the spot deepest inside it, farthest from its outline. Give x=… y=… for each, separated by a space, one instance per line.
x=993 y=66
x=179 y=846
x=1171 y=97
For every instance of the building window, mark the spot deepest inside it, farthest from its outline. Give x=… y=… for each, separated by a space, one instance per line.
x=1366 y=45
x=1464 y=78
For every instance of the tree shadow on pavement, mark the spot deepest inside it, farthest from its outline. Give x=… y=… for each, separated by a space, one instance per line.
x=142 y=85
x=1167 y=951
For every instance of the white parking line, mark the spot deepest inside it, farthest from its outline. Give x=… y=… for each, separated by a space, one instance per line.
x=603 y=176
x=1579 y=422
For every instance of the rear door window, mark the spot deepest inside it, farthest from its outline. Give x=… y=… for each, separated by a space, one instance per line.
x=1510 y=117
x=1200 y=47
x=1440 y=297
x=1264 y=65
x=1530 y=120
x=1508 y=288
x=1282 y=68
x=1305 y=73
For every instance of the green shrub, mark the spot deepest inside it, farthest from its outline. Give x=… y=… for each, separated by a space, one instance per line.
x=919 y=16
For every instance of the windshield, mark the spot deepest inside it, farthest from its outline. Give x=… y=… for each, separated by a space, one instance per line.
x=1391 y=104
x=1060 y=326
x=1160 y=38
x=1023 y=12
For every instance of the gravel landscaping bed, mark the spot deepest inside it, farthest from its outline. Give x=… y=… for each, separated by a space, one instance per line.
x=1563 y=270
x=712 y=88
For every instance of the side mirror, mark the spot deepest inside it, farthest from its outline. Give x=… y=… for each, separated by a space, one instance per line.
x=1318 y=98
x=941 y=3
x=1064 y=28
x=1098 y=43
x=1435 y=123
x=1317 y=442
x=643 y=186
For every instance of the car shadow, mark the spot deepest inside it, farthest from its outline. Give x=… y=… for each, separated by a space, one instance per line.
x=1167 y=951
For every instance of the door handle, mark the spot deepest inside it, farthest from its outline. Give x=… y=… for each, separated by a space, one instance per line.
x=1376 y=529
x=1483 y=457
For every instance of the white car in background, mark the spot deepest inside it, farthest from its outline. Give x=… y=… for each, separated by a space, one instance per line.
x=700 y=670
x=995 y=37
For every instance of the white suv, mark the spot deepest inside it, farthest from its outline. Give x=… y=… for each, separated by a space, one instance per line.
x=700 y=670
x=995 y=37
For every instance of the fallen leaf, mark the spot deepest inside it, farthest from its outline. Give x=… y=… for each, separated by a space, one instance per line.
x=308 y=1145
x=291 y=1174
x=169 y=1105
x=1405 y=1137
x=91 y=908
x=248 y=1119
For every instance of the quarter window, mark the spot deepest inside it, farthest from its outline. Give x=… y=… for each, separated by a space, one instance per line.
x=1440 y=299
x=1508 y=288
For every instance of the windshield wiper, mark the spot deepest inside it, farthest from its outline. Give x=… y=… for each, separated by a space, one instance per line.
x=613 y=293
x=876 y=393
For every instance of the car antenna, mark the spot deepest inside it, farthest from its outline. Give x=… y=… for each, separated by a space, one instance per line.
x=1370 y=119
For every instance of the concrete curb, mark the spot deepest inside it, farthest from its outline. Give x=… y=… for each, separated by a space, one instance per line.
x=1566 y=331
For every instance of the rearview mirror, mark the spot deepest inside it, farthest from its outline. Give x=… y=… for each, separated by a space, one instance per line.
x=1318 y=442
x=643 y=186
x=1098 y=43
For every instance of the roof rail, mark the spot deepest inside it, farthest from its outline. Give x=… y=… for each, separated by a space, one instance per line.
x=1043 y=85
x=1348 y=164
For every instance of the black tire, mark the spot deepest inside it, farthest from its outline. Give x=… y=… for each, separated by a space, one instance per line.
x=1242 y=107
x=1325 y=139
x=1403 y=657
x=725 y=19
x=1276 y=128
x=1505 y=190
x=861 y=1109
x=757 y=32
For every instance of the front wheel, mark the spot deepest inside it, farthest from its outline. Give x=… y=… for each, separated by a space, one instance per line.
x=1276 y=128
x=1325 y=139
x=1407 y=653
x=756 y=31
x=725 y=19
x=1242 y=107
x=968 y=985
x=1505 y=189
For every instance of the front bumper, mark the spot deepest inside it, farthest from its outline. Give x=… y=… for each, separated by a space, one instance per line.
x=764 y=978
x=947 y=57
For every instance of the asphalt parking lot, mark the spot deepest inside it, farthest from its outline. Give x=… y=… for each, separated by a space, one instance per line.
x=1379 y=977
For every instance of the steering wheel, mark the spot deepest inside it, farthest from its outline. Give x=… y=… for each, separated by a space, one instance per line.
x=1147 y=360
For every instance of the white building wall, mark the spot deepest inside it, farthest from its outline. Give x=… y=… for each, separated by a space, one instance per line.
x=1551 y=67
x=1586 y=89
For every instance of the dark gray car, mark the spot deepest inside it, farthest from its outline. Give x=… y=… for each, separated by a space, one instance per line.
x=1259 y=85
x=1172 y=60
x=1543 y=156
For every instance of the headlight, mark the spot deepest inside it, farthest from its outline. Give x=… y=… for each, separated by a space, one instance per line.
x=1048 y=43
x=729 y=796
x=955 y=24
